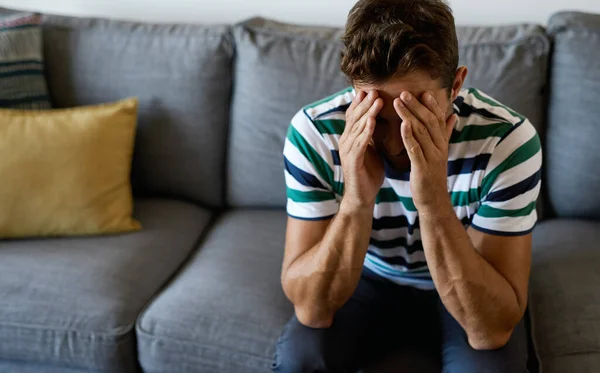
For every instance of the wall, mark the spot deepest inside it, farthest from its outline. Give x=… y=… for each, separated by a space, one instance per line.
x=325 y=12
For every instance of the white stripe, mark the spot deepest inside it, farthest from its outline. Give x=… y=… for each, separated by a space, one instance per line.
x=471 y=149
x=507 y=224
x=518 y=173
x=401 y=187
x=499 y=111
x=465 y=182
x=516 y=139
x=333 y=141
x=475 y=120
x=299 y=160
x=312 y=210
x=466 y=211
x=392 y=234
x=393 y=209
x=520 y=201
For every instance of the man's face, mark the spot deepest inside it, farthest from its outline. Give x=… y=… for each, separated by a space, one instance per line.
x=387 y=137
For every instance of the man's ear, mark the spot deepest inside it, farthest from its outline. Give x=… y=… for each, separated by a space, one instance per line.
x=459 y=80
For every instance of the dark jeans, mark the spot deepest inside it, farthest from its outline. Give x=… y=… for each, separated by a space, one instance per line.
x=389 y=328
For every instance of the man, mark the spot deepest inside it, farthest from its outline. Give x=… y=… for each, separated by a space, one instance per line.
x=411 y=203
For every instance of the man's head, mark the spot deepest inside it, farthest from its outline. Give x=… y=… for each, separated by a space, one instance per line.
x=392 y=46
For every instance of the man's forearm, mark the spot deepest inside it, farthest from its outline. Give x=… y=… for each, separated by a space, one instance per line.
x=323 y=279
x=479 y=298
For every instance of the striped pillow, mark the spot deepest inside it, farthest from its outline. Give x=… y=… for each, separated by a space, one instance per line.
x=22 y=82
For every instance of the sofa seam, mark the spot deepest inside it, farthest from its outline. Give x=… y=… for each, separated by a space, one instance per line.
x=142 y=332
x=120 y=333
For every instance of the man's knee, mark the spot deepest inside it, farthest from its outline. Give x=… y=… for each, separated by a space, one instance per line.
x=299 y=349
x=487 y=362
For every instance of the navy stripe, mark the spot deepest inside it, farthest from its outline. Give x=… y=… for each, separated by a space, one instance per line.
x=513 y=129
x=336 y=157
x=515 y=190
x=301 y=176
x=400 y=261
x=398 y=242
x=468 y=165
x=391 y=173
x=465 y=110
x=22 y=73
x=504 y=234
x=395 y=222
x=341 y=109
x=21 y=62
x=18 y=101
x=312 y=219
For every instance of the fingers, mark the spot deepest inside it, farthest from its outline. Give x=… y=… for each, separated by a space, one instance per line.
x=352 y=117
x=413 y=148
x=364 y=139
x=373 y=111
x=417 y=131
x=426 y=116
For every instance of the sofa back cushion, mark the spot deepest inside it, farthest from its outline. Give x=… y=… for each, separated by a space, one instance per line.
x=281 y=68
x=573 y=133
x=182 y=78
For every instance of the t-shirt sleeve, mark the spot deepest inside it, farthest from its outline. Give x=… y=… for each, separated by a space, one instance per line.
x=511 y=184
x=309 y=172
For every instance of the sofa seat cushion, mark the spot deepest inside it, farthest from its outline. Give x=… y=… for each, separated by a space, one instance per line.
x=565 y=297
x=73 y=302
x=226 y=309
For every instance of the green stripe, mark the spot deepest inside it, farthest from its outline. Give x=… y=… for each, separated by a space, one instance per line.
x=474 y=132
x=311 y=154
x=313 y=196
x=491 y=212
x=327 y=99
x=331 y=126
x=388 y=195
x=522 y=154
x=477 y=94
x=460 y=199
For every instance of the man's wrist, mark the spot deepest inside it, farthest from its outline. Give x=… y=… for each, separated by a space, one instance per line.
x=441 y=211
x=351 y=208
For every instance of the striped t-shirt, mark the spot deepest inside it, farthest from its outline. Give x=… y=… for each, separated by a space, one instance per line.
x=494 y=179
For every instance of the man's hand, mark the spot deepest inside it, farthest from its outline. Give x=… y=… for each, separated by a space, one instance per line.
x=426 y=132
x=361 y=164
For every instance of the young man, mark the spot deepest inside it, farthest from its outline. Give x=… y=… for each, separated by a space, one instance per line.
x=411 y=203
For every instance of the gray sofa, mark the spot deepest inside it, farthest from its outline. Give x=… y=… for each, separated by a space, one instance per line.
x=198 y=289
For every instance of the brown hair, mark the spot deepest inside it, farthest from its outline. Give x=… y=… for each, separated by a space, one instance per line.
x=388 y=38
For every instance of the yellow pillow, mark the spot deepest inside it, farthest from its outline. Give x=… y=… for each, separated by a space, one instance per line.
x=67 y=172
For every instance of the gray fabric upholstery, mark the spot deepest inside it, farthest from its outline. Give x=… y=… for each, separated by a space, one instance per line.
x=13 y=367
x=72 y=302
x=565 y=297
x=225 y=310
x=573 y=132
x=182 y=77
x=281 y=68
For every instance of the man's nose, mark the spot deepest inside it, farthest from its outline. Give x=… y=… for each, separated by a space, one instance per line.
x=393 y=142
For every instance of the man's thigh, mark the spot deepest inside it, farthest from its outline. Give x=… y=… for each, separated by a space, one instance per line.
x=459 y=357
x=362 y=331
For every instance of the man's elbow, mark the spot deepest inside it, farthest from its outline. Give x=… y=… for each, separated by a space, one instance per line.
x=314 y=319
x=489 y=341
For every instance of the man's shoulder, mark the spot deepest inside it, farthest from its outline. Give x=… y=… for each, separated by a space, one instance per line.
x=331 y=107
x=326 y=116
x=474 y=104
